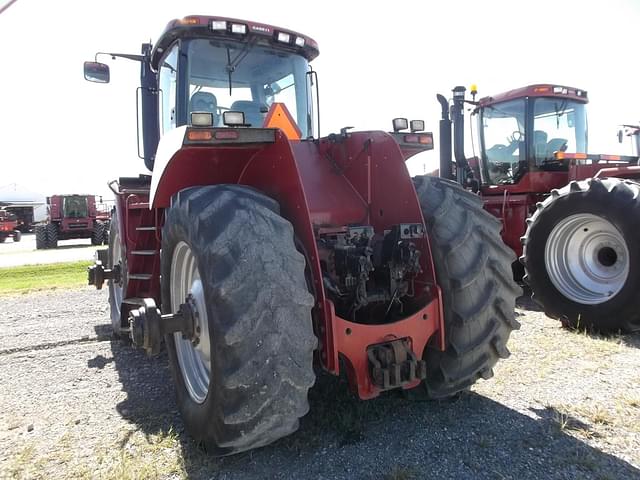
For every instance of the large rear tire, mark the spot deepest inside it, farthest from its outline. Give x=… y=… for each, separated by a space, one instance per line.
x=41 y=237
x=244 y=385
x=97 y=236
x=473 y=271
x=582 y=255
x=107 y=231
x=52 y=235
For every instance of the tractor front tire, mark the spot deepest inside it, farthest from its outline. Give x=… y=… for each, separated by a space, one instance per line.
x=97 y=236
x=582 y=255
x=41 y=237
x=473 y=271
x=245 y=383
x=17 y=236
x=52 y=235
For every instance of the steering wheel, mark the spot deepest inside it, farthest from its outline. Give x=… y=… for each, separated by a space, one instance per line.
x=515 y=137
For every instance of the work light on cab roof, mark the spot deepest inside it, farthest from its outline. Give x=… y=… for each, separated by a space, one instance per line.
x=261 y=33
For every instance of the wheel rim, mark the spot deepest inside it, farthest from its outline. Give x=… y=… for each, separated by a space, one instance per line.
x=587 y=259
x=194 y=355
x=118 y=293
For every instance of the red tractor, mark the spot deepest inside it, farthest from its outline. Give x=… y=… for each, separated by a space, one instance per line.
x=72 y=217
x=9 y=226
x=256 y=249
x=573 y=217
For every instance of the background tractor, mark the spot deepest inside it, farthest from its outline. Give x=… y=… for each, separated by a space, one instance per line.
x=9 y=226
x=573 y=217
x=72 y=217
x=256 y=248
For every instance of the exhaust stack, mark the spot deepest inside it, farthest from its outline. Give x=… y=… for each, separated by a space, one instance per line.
x=446 y=162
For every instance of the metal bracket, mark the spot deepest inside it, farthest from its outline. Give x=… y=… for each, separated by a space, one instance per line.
x=97 y=274
x=393 y=364
x=148 y=326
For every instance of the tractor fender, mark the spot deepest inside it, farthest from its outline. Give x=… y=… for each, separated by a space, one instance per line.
x=269 y=167
x=631 y=172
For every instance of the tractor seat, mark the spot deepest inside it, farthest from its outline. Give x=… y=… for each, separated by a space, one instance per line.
x=254 y=112
x=540 y=145
x=204 y=102
x=556 y=145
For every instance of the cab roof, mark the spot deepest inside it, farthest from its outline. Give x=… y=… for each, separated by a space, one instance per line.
x=537 y=90
x=201 y=26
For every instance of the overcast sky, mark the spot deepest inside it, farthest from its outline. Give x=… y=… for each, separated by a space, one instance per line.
x=378 y=60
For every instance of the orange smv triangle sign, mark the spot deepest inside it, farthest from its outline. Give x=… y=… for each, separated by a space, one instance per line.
x=279 y=117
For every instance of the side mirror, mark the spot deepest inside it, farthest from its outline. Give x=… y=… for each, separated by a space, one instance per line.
x=619 y=136
x=96 y=72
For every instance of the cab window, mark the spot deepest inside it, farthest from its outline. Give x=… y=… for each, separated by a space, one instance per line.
x=503 y=139
x=167 y=85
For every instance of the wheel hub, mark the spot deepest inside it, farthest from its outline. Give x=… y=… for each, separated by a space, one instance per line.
x=587 y=259
x=194 y=335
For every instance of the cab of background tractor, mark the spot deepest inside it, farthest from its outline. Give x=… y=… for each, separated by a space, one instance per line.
x=523 y=130
x=75 y=206
x=526 y=130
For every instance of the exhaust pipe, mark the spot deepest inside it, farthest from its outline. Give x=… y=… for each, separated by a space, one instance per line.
x=457 y=113
x=446 y=161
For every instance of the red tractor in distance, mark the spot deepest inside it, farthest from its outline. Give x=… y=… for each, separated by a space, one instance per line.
x=9 y=227
x=72 y=217
x=257 y=248
x=573 y=217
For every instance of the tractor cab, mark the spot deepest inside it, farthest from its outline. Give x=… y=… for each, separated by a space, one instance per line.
x=527 y=130
x=75 y=206
x=222 y=73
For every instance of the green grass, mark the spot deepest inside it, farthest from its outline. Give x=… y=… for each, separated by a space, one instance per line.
x=28 y=278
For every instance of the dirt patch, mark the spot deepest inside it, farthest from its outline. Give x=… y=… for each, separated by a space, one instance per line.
x=77 y=404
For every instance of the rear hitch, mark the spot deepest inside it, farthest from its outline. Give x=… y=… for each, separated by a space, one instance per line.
x=393 y=364
x=98 y=274
x=148 y=325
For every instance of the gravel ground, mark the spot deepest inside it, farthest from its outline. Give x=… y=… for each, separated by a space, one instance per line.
x=24 y=252
x=76 y=404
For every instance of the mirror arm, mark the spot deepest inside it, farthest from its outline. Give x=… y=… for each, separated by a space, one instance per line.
x=128 y=56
